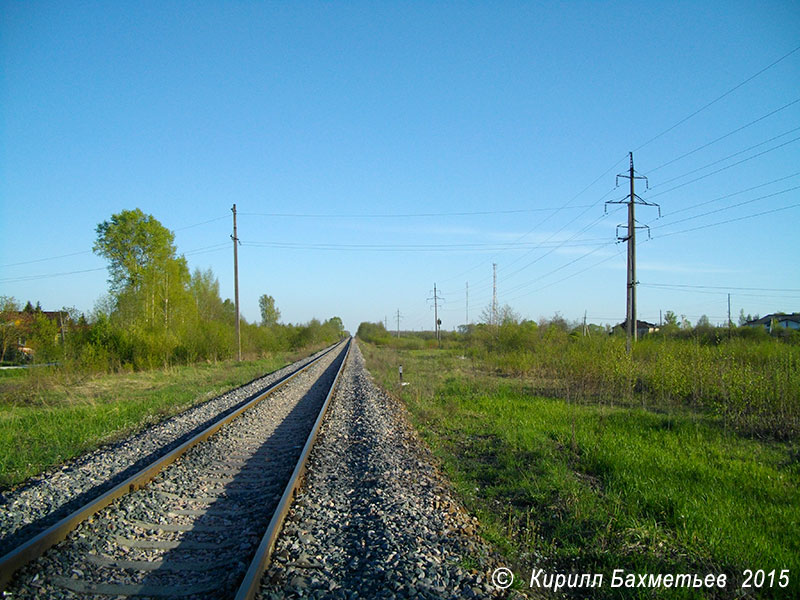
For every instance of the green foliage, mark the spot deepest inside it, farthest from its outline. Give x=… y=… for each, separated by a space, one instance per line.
x=133 y=243
x=44 y=339
x=746 y=376
x=374 y=333
x=156 y=314
x=750 y=379
x=584 y=486
x=270 y=315
x=46 y=419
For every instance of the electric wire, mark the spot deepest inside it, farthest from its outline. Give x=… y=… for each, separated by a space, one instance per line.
x=724 y=208
x=730 y=133
x=752 y=216
x=566 y=204
x=694 y=206
x=38 y=260
x=711 y=164
x=47 y=276
x=463 y=247
x=730 y=91
x=744 y=160
x=404 y=215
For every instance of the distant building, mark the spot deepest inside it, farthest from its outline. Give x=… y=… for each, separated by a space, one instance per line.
x=642 y=328
x=787 y=321
x=21 y=322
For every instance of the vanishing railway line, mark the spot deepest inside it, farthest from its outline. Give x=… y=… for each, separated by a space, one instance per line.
x=199 y=522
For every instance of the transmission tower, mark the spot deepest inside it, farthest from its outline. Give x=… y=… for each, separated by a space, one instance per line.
x=632 y=201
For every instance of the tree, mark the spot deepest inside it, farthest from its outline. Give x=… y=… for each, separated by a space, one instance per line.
x=269 y=312
x=205 y=290
x=336 y=326
x=152 y=304
x=44 y=339
x=670 y=318
x=133 y=242
x=9 y=309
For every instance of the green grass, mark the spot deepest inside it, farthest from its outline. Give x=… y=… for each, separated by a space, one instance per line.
x=48 y=417
x=588 y=487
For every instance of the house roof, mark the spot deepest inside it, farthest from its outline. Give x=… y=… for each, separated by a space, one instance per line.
x=639 y=325
x=780 y=317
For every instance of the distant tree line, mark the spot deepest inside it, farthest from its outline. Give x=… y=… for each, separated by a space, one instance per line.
x=157 y=313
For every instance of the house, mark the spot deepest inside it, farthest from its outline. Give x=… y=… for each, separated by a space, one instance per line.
x=17 y=326
x=642 y=328
x=787 y=321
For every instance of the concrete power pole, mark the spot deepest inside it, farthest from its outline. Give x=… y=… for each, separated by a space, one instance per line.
x=236 y=285
x=633 y=200
x=467 y=321
x=730 y=323
x=494 y=293
x=436 y=311
x=398 y=322
x=437 y=322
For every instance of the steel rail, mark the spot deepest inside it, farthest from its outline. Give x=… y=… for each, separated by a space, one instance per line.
x=252 y=579
x=36 y=546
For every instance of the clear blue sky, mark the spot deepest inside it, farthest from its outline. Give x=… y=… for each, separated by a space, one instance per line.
x=377 y=109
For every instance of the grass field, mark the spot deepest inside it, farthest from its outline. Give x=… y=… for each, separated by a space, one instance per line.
x=48 y=417
x=590 y=487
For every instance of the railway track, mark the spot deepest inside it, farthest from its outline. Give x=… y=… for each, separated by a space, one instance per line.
x=201 y=521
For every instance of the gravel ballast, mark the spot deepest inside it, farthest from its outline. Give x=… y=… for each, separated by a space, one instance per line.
x=375 y=518
x=191 y=532
x=41 y=501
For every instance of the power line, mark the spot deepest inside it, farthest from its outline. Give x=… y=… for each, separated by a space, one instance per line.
x=766 y=212
x=38 y=260
x=730 y=91
x=568 y=242
x=724 y=208
x=566 y=204
x=201 y=223
x=711 y=164
x=402 y=215
x=723 y=287
x=559 y=268
x=35 y=277
x=407 y=247
x=205 y=249
x=730 y=133
x=575 y=274
x=724 y=168
x=680 y=210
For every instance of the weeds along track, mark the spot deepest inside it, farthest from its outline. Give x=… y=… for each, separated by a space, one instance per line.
x=197 y=528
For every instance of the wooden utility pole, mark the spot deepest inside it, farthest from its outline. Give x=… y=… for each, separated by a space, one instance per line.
x=631 y=322
x=236 y=285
